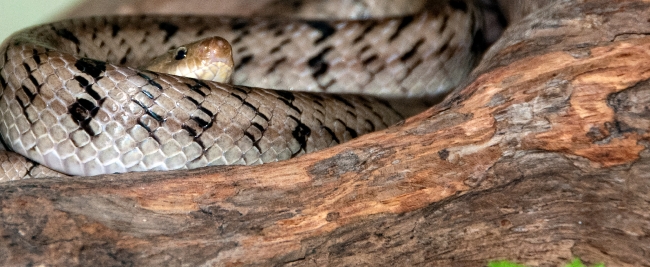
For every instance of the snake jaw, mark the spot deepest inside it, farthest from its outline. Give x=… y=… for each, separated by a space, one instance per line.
x=220 y=72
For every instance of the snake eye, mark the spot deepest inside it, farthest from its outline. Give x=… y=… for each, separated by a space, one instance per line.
x=181 y=52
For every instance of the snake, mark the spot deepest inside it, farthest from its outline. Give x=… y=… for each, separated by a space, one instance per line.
x=73 y=100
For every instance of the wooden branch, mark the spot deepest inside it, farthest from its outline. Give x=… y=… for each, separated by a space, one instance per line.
x=542 y=157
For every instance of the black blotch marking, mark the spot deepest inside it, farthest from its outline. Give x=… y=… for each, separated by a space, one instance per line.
x=22 y=104
x=205 y=124
x=170 y=29
x=239 y=37
x=148 y=111
x=87 y=87
x=90 y=106
x=318 y=100
x=443 y=24
x=264 y=117
x=286 y=95
x=201 y=144
x=368 y=28
x=206 y=111
x=256 y=142
x=126 y=54
x=272 y=26
x=150 y=81
x=301 y=133
x=196 y=88
x=144 y=126
x=250 y=106
x=155 y=84
x=114 y=30
x=191 y=131
x=68 y=35
x=34 y=82
x=370 y=59
x=318 y=64
x=241 y=88
x=6 y=147
x=27 y=68
x=29 y=93
x=289 y=104
x=147 y=94
x=202 y=123
x=412 y=51
x=196 y=103
x=402 y=24
x=342 y=100
x=326 y=30
x=199 y=82
x=479 y=42
x=443 y=154
x=82 y=81
x=151 y=134
x=258 y=126
x=237 y=96
x=442 y=49
x=36 y=57
x=238 y=24
x=317 y=97
x=458 y=5
x=93 y=93
x=364 y=49
x=352 y=132
x=279 y=46
x=287 y=98
x=327 y=129
x=275 y=65
x=251 y=137
x=82 y=111
x=372 y=125
x=202 y=30
x=92 y=67
x=244 y=60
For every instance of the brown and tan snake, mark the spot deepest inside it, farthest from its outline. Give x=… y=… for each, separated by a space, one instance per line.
x=73 y=100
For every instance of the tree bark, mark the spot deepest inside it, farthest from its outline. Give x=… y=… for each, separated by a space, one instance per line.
x=540 y=157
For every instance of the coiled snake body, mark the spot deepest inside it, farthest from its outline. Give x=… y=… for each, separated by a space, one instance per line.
x=70 y=101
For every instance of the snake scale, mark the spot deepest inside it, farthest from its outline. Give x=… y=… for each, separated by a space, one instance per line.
x=72 y=100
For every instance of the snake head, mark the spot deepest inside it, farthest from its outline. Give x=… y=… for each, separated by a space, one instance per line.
x=206 y=59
